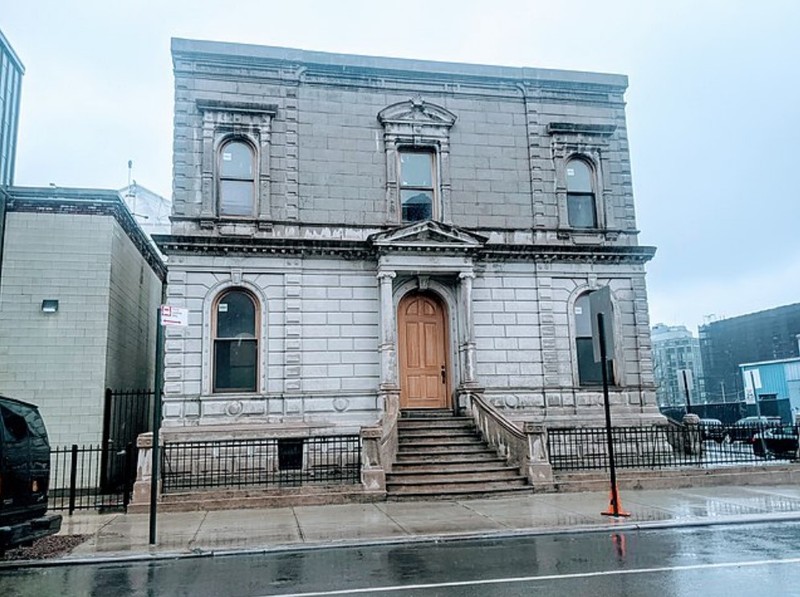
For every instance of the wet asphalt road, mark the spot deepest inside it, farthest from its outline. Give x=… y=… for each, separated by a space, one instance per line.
x=757 y=560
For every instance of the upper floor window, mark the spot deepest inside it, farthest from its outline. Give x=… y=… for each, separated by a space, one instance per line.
x=417 y=190
x=581 y=204
x=235 y=342
x=235 y=167
x=237 y=183
x=589 y=372
x=417 y=141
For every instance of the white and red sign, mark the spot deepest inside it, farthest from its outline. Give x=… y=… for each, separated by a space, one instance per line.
x=174 y=316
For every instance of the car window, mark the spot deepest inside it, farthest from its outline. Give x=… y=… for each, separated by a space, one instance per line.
x=14 y=425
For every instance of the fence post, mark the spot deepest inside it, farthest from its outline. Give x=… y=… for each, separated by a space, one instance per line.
x=126 y=477
x=104 y=446
x=73 y=478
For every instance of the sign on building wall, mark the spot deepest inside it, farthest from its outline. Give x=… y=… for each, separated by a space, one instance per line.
x=174 y=316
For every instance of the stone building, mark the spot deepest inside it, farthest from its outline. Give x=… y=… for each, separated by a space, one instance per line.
x=348 y=231
x=80 y=288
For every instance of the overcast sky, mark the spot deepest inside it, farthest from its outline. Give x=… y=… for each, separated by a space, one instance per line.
x=713 y=107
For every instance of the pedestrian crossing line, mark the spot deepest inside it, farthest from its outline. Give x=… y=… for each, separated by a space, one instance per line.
x=545 y=577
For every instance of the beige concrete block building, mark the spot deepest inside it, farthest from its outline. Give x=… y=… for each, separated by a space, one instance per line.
x=79 y=291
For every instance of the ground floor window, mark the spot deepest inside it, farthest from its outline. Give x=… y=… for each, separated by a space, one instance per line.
x=235 y=342
x=590 y=373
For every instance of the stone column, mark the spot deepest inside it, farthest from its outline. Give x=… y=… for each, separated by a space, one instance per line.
x=468 y=329
x=388 y=346
x=692 y=435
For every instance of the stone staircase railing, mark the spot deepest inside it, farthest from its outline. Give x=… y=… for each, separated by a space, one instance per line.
x=379 y=447
x=525 y=448
x=685 y=436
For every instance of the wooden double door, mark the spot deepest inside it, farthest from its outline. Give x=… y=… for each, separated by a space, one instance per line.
x=423 y=354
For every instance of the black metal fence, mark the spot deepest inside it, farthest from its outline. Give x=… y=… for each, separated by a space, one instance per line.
x=654 y=447
x=730 y=412
x=77 y=479
x=264 y=463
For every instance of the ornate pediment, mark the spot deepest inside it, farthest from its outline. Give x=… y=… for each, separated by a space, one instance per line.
x=416 y=111
x=428 y=235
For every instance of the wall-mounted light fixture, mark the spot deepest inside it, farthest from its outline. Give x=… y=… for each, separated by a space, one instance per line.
x=49 y=305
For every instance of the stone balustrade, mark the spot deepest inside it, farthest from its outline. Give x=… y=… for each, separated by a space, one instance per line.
x=379 y=446
x=525 y=448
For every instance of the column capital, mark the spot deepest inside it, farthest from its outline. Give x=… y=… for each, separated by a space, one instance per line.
x=466 y=274
x=383 y=274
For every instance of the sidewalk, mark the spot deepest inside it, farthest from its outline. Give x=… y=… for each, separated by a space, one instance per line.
x=126 y=535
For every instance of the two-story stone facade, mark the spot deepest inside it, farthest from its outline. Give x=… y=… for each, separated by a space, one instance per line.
x=350 y=229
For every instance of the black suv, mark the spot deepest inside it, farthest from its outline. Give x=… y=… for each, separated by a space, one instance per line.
x=24 y=475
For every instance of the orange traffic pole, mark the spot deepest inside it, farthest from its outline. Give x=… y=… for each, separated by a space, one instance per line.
x=615 y=504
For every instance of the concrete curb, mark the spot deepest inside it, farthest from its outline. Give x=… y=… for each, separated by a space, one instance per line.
x=617 y=526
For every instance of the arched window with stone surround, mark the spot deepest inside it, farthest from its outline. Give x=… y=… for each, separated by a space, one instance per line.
x=581 y=195
x=235 y=333
x=590 y=373
x=236 y=179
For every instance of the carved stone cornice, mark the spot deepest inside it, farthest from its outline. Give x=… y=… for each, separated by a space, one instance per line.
x=213 y=105
x=216 y=245
x=427 y=236
x=578 y=128
x=562 y=253
x=369 y=250
x=416 y=112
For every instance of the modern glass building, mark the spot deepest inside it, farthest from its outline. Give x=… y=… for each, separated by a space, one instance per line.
x=675 y=349
x=11 y=71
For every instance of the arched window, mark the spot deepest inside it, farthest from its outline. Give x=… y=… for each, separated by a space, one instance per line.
x=236 y=179
x=589 y=372
x=417 y=185
x=235 y=342
x=581 y=204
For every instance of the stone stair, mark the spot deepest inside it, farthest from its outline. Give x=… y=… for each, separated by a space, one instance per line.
x=441 y=456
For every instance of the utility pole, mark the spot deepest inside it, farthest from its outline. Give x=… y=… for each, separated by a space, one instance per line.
x=686 y=389
x=155 y=472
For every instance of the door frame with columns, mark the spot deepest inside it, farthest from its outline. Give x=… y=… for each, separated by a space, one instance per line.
x=452 y=283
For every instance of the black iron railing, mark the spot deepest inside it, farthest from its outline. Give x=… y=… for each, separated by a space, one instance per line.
x=658 y=447
x=264 y=463
x=78 y=482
